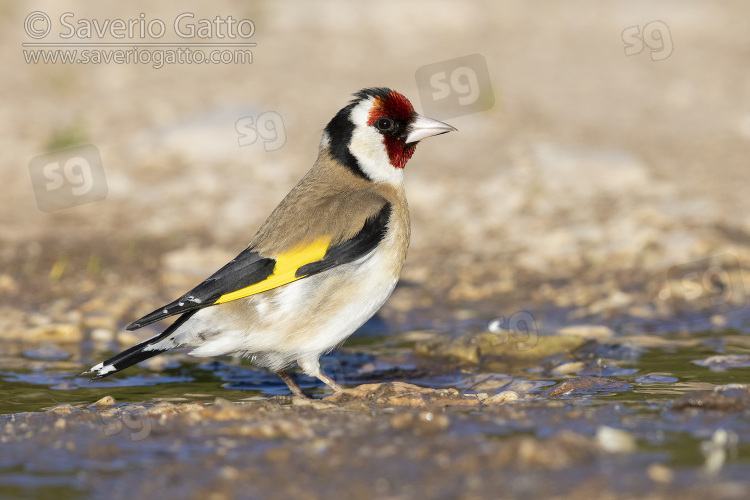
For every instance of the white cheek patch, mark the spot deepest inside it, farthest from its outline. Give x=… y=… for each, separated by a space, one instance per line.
x=368 y=148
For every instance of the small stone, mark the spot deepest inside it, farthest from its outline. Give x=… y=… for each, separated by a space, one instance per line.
x=726 y=399
x=56 y=332
x=312 y=403
x=659 y=473
x=502 y=398
x=718 y=320
x=402 y=394
x=657 y=378
x=63 y=409
x=105 y=402
x=568 y=368
x=723 y=361
x=102 y=335
x=587 y=384
x=722 y=443
x=615 y=440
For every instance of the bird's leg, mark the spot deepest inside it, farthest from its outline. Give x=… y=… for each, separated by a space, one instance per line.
x=329 y=381
x=311 y=366
x=291 y=384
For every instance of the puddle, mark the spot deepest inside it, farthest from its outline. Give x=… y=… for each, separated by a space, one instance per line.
x=654 y=372
x=624 y=385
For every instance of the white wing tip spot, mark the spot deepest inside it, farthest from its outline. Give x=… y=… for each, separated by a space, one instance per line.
x=101 y=369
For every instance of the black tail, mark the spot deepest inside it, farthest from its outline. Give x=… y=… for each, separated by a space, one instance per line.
x=136 y=354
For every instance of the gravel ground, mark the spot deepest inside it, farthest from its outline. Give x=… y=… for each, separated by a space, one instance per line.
x=378 y=441
x=595 y=193
x=591 y=165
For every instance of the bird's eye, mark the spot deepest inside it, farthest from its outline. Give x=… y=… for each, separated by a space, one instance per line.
x=384 y=124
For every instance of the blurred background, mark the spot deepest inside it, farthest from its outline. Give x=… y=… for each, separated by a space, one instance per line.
x=598 y=172
x=586 y=226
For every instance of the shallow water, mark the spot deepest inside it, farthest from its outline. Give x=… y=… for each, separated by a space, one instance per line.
x=655 y=373
x=643 y=373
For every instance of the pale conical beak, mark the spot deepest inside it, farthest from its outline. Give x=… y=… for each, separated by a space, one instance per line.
x=423 y=127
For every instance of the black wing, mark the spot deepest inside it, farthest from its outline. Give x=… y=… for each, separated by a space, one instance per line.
x=254 y=273
x=244 y=270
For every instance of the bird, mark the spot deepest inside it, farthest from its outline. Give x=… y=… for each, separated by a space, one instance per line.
x=323 y=263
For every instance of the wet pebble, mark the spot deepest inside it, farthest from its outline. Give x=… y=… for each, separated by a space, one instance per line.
x=569 y=367
x=502 y=398
x=587 y=385
x=105 y=402
x=615 y=440
x=723 y=361
x=496 y=353
x=715 y=450
x=102 y=335
x=402 y=394
x=660 y=473
x=312 y=403
x=656 y=378
x=731 y=398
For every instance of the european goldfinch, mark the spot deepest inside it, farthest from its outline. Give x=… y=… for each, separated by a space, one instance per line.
x=323 y=263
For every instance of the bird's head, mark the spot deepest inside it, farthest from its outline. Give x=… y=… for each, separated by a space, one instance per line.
x=376 y=134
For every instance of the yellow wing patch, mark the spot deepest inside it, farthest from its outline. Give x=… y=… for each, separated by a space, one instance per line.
x=284 y=270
